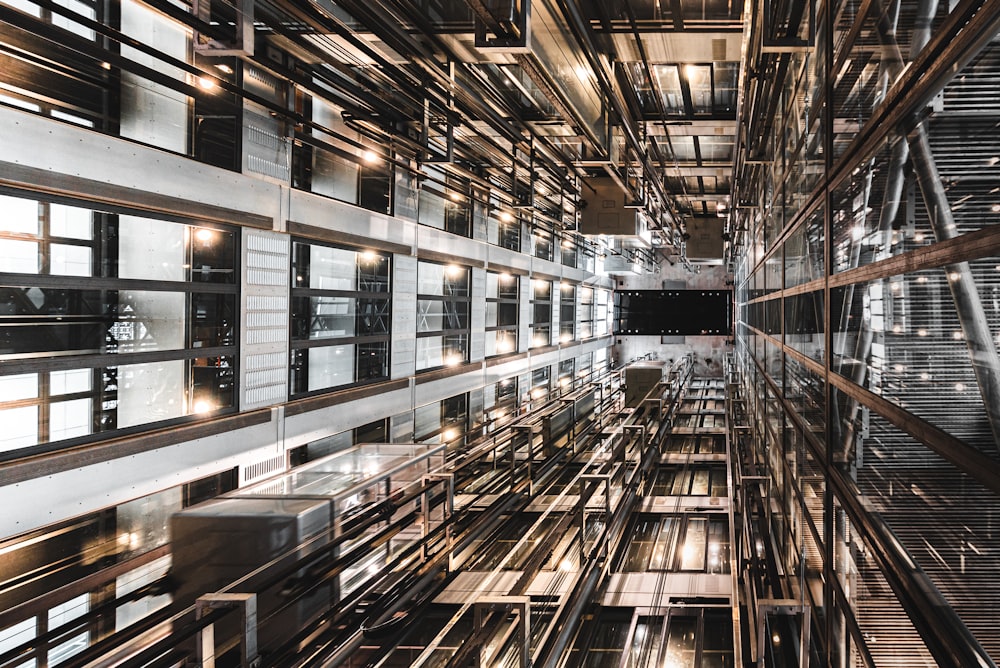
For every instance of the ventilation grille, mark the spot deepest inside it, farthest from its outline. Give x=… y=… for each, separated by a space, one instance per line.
x=265 y=318
x=262 y=469
x=265 y=83
x=266 y=148
x=267 y=260
x=719 y=49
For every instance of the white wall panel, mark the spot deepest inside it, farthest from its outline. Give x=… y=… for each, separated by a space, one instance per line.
x=329 y=214
x=465 y=251
x=306 y=427
x=53 y=498
x=477 y=316
x=34 y=141
x=403 y=351
x=502 y=258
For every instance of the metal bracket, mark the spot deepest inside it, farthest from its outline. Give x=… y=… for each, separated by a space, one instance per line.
x=529 y=430
x=243 y=42
x=518 y=604
x=598 y=478
x=449 y=510
x=247 y=605
x=641 y=428
x=784 y=606
x=771 y=44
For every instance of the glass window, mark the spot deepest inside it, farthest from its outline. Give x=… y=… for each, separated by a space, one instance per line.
x=157 y=290
x=444 y=202
x=500 y=403
x=444 y=421
x=65 y=613
x=340 y=317
x=538 y=385
x=543 y=246
x=442 y=315
x=17 y=635
x=541 y=313
x=567 y=312
x=569 y=252
x=567 y=374
x=501 y=313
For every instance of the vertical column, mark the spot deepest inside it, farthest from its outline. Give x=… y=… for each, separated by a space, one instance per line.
x=403 y=349
x=477 y=315
x=264 y=319
x=524 y=314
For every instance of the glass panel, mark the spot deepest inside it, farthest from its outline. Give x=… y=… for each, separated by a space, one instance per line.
x=669 y=82
x=804 y=324
x=699 y=79
x=645 y=645
x=68 y=419
x=20 y=257
x=554 y=47
x=435 y=351
x=924 y=499
x=804 y=252
x=501 y=342
x=152 y=112
x=20 y=427
x=16 y=635
x=330 y=366
x=681 y=642
x=442 y=280
x=18 y=215
x=437 y=315
x=715 y=148
x=693 y=551
x=133 y=611
x=332 y=268
x=20 y=386
x=63 y=614
x=903 y=339
x=804 y=390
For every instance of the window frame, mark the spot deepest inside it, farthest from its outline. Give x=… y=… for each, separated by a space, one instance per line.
x=454 y=303
x=374 y=302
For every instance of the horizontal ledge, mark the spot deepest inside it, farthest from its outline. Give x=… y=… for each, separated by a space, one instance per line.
x=77 y=190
